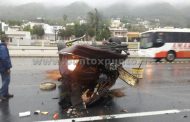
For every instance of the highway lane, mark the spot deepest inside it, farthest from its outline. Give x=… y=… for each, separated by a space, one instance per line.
x=165 y=86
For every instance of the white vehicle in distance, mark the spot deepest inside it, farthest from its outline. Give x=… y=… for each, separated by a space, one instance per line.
x=165 y=43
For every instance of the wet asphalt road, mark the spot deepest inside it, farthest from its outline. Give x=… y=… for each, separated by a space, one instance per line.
x=164 y=87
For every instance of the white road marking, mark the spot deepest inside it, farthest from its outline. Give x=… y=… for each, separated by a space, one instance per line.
x=119 y=116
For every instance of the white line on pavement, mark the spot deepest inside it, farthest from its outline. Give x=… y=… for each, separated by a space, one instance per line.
x=119 y=116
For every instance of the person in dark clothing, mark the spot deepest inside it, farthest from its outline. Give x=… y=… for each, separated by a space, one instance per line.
x=5 y=66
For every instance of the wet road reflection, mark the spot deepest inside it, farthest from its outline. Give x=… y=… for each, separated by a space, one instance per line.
x=5 y=113
x=164 y=86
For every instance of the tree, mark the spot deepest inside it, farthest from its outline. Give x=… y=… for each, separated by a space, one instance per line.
x=38 y=30
x=27 y=28
x=61 y=33
x=65 y=17
x=3 y=36
x=106 y=33
x=80 y=30
x=103 y=33
x=67 y=33
x=91 y=32
x=94 y=20
x=14 y=22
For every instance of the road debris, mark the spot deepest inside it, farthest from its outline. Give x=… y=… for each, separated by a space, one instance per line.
x=37 y=112
x=69 y=111
x=55 y=98
x=73 y=112
x=185 y=116
x=127 y=77
x=124 y=110
x=24 y=114
x=44 y=113
x=47 y=86
x=56 y=116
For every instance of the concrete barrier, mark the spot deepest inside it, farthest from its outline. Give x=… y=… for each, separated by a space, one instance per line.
x=33 y=51
x=27 y=51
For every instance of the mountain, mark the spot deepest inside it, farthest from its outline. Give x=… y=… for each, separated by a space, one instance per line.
x=73 y=10
x=185 y=11
x=116 y=10
x=76 y=9
x=26 y=11
x=34 y=10
x=168 y=14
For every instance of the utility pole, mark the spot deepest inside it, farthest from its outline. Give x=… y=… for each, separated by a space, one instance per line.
x=55 y=35
x=55 y=30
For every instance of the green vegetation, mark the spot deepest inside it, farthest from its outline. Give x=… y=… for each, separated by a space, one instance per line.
x=14 y=22
x=27 y=28
x=3 y=36
x=135 y=28
x=67 y=33
x=38 y=31
x=80 y=30
x=97 y=25
x=94 y=27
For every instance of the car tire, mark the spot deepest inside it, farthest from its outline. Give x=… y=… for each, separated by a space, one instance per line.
x=47 y=86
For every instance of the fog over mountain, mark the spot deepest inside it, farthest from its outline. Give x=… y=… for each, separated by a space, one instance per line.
x=92 y=2
x=170 y=12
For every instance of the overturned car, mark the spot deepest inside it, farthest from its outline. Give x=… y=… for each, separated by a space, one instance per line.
x=88 y=72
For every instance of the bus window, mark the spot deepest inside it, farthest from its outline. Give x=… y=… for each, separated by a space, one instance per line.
x=146 y=40
x=172 y=37
x=169 y=37
x=160 y=36
x=185 y=37
x=159 y=39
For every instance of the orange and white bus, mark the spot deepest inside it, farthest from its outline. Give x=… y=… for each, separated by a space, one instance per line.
x=165 y=43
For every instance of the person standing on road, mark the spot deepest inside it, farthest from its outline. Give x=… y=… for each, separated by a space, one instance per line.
x=5 y=66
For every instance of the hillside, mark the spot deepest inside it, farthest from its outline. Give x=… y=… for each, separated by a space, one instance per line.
x=33 y=10
x=167 y=13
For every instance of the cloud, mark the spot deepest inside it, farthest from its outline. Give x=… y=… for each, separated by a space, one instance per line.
x=91 y=2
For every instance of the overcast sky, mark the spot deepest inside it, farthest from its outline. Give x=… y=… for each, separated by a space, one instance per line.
x=90 y=2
